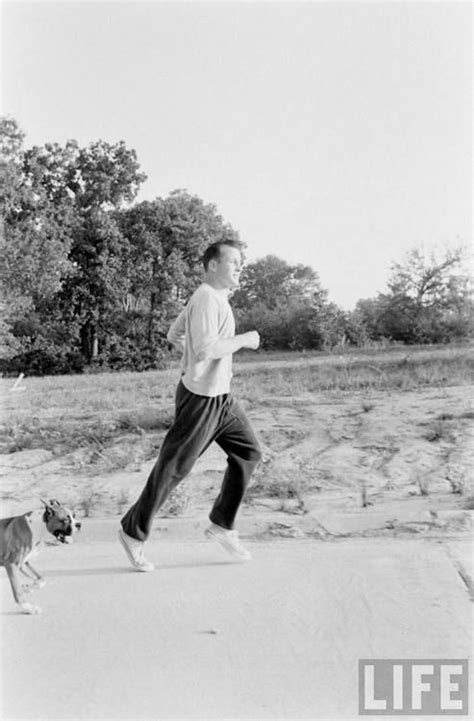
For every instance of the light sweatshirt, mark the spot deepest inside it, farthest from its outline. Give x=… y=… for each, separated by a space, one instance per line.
x=206 y=319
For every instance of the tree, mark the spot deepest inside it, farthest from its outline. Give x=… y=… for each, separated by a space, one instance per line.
x=91 y=181
x=271 y=280
x=34 y=241
x=34 y=244
x=11 y=150
x=427 y=280
x=429 y=301
x=284 y=302
x=93 y=294
x=60 y=243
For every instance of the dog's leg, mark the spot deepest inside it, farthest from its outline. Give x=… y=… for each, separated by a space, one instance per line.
x=17 y=595
x=30 y=572
x=25 y=572
x=26 y=587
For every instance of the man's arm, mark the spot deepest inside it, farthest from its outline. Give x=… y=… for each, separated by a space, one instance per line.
x=204 y=331
x=226 y=346
x=177 y=332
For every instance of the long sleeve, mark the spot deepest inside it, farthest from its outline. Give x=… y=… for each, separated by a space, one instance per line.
x=177 y=332
x=203 y=326
x=208 y=323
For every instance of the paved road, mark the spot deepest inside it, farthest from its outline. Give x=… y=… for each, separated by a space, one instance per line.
x=202 y=637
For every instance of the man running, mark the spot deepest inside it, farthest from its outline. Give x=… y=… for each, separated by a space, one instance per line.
x=205 y=410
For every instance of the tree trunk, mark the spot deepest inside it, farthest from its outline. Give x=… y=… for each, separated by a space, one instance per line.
x=151 y=320
x=89 y=341
x=95 y=343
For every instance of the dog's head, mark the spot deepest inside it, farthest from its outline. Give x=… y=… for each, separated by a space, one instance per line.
x=60 y=521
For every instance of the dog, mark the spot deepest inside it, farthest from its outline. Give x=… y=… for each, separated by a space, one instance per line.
x=21 y=538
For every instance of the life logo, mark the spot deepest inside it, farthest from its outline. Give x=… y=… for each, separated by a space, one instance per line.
x=410 y=687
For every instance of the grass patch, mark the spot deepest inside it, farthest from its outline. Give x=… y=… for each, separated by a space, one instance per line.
x=407 y=373
x=439 y=431
x=284 y=484
x=86 y=432
x=63 y=413
x=144 y=421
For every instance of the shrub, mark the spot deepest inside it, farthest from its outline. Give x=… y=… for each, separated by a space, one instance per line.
x=40 y=357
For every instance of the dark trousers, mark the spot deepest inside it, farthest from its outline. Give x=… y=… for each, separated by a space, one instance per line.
x=198 y=422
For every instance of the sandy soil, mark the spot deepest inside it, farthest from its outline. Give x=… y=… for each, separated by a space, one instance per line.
x=330 y=449
x=332 y=580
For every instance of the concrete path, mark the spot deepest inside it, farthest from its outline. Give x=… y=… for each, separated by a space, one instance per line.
x=205 y=637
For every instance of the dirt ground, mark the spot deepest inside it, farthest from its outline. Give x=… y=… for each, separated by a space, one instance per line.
x=331 y=452
x=359 y=523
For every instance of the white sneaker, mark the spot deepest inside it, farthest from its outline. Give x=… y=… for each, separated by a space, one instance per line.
x=228 y=540
x=134 y=550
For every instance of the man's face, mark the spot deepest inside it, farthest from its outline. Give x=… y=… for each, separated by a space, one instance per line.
x=228 y=267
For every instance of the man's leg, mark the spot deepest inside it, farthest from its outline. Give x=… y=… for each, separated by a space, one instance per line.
x=193 y=429
x=237 y=438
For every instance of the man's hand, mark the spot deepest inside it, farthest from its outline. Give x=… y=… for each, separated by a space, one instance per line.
x=252 y=340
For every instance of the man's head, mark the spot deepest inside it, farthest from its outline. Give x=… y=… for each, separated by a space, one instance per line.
x=222 y=263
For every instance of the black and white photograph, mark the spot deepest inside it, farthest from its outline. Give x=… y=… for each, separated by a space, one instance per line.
x=236 y=360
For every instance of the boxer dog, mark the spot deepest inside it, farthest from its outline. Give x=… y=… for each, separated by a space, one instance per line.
x=21 y=538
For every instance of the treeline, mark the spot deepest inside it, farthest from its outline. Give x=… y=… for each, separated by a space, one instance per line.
x=92 y=279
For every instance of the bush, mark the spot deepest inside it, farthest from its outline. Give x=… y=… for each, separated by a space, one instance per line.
x=288 y=326
x=125 y=354
x=40 y=357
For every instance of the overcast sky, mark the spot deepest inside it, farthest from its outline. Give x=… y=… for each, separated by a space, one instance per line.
x=332 y=134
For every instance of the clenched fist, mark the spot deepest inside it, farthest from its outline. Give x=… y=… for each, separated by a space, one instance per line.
x=252 y=340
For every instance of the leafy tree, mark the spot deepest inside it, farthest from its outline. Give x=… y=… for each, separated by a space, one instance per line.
x=331 y=326
x=11 y=149
x=34 y=245
x=59 y=242
x=284 y=302
x=271 y=281
x=89 y=182
x=427 y=280
x=91 y=296
x=429 y=301
x=34 y=241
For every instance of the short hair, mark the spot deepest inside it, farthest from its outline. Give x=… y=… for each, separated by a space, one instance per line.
x=213 y=251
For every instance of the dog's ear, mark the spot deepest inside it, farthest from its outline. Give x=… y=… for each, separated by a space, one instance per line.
x=48 y=508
